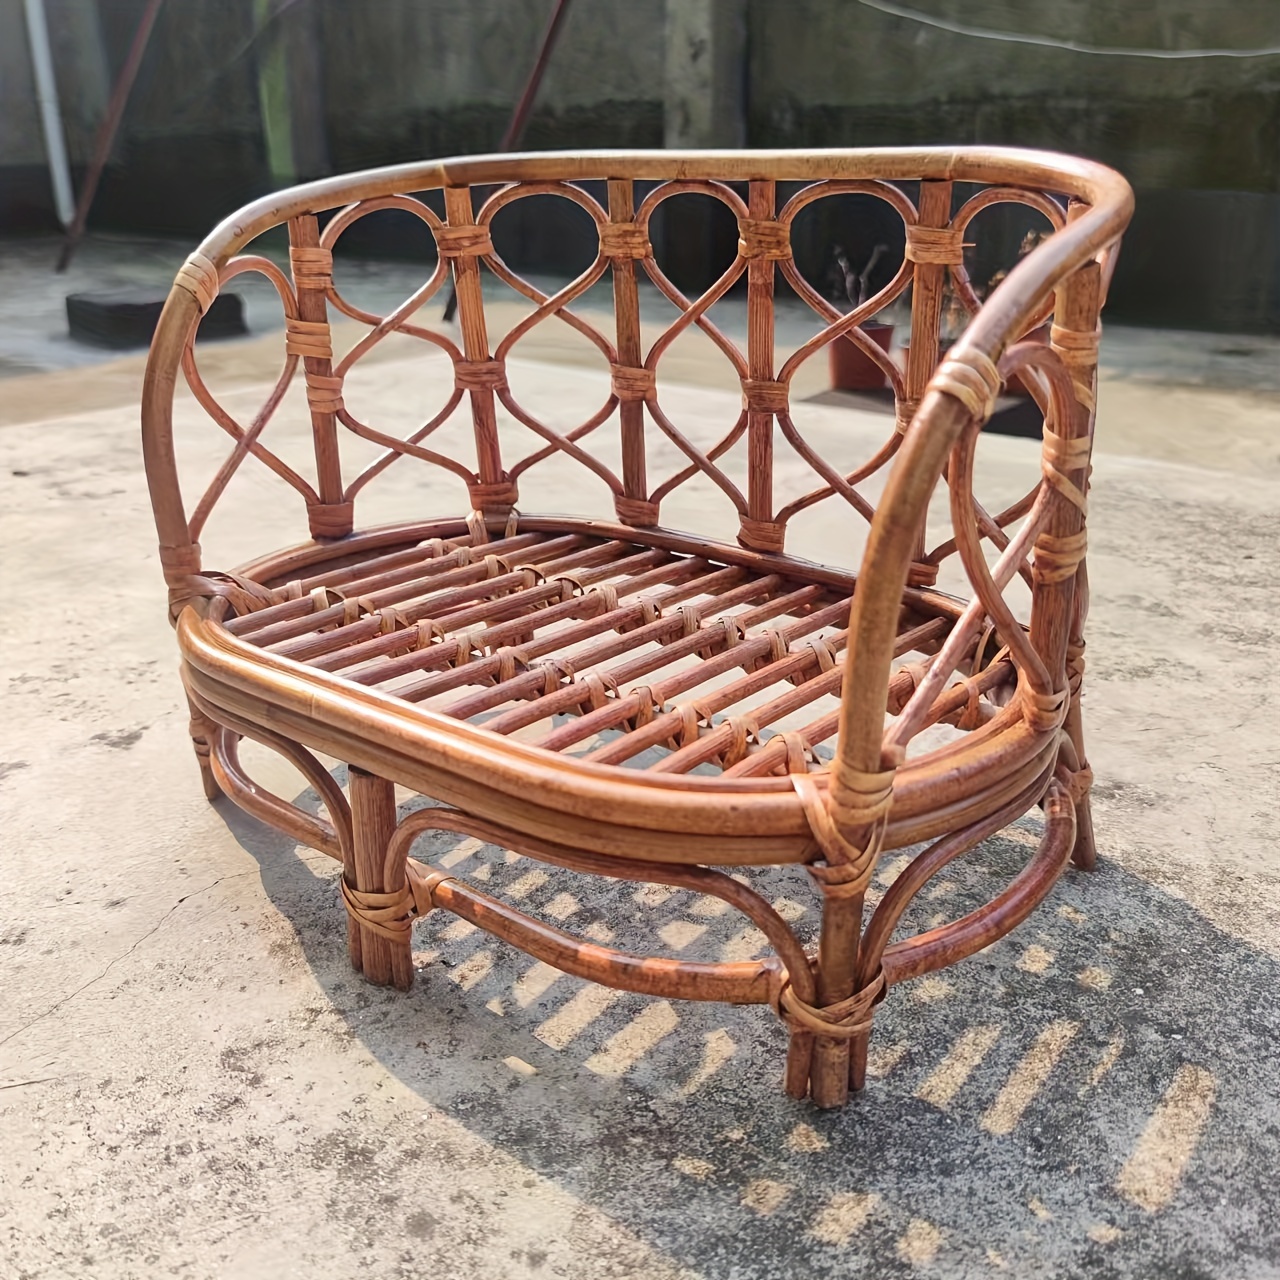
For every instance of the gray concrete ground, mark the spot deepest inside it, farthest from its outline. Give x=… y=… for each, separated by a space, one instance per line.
x=193 y=1083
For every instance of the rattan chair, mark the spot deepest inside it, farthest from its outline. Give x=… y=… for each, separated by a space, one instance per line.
x=533 y=674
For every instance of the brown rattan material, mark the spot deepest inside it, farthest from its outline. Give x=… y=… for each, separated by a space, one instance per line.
x=623 y=698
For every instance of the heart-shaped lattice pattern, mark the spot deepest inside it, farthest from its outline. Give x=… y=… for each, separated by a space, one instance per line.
x=740 y=463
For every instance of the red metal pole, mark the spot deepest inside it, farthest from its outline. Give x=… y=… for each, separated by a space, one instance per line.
x=107 y=130
x=520 y=116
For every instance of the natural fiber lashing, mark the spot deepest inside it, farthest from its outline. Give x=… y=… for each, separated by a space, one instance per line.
x=463 y=242
x=310 y=338
x=479 y=375
x=973 y=379
x=762 y=238
x=764 y=395
x=938 y=246
x=198 y=277
x=312 y=266
x=625 y=240
x=632 y=383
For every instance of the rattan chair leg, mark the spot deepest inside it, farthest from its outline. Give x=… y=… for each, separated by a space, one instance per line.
x=858 y=1050
x=202 y=731
x=383 y=961
x=799 y=1063
x=837 y=960
x=1085 y=853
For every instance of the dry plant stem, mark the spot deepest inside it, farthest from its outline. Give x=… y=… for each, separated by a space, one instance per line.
x=620 y=698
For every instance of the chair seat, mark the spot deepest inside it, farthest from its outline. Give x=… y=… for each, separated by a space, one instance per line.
x=635 y=652
x=604 y=649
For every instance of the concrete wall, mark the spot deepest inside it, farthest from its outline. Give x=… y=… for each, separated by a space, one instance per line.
x=1198 y=138
x=399 y=80
x=441 y=78
x=376 y=83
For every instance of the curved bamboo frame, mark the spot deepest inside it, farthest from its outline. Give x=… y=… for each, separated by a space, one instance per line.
x=289 y=650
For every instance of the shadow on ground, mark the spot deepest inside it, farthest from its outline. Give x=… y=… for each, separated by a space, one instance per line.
x=1093 y=1096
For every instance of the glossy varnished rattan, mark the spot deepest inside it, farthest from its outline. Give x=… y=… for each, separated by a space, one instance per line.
x=654 y=704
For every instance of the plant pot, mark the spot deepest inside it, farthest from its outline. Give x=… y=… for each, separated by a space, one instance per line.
x=851 y=368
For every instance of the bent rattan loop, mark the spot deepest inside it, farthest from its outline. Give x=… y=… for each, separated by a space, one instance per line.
x=198 y=277
x=763 y=238
x=625 y=240
x=940 y=246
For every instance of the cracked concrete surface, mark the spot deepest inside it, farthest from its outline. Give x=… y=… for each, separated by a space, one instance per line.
x=193 y=1083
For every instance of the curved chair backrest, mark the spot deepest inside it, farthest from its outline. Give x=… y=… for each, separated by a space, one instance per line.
x=939 y=407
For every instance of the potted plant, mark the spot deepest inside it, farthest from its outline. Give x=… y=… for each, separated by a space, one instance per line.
x=851 y=368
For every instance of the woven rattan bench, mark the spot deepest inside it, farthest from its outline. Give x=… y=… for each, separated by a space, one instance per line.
x=611 y=695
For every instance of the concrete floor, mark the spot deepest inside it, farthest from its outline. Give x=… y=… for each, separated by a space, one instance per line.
x=192 y=1082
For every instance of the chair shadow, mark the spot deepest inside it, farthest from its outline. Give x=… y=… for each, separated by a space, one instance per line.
x=1094 y=1095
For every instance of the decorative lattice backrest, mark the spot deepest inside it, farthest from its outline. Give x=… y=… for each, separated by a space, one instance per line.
x=1038 y=537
